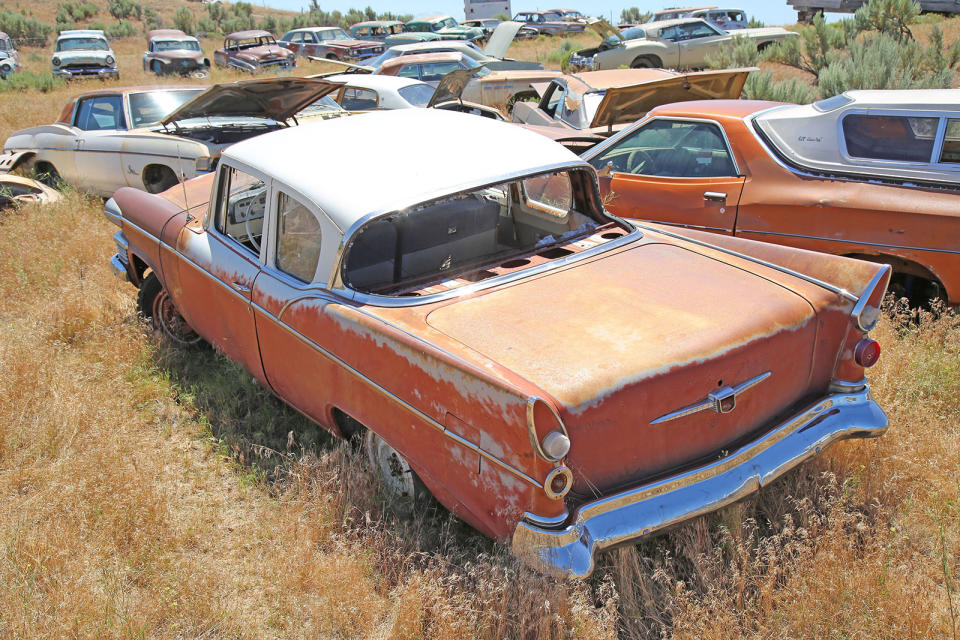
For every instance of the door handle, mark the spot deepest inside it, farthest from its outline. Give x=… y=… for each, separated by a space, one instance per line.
x=714 y=195
x=239 y=286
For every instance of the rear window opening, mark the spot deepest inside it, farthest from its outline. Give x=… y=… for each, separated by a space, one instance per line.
x=478 y=234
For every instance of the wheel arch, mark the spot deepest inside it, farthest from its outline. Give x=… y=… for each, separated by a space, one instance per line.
x=904 y=267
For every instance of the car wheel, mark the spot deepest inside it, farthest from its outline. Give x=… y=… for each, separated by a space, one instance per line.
x=155 y=67
x=646 y=62
x=155 y=303
x=330 y=56
x=401 y=483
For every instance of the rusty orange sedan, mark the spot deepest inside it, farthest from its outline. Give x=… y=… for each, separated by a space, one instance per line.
x=548 y=372
x=873 y=175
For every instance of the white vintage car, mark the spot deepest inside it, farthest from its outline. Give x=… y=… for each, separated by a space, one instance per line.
x=84 y=53
x=683 y=43
x=152 y=138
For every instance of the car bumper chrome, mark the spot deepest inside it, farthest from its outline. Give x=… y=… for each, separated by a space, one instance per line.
x=632 y=514
x=87 y=73
x=119 y=269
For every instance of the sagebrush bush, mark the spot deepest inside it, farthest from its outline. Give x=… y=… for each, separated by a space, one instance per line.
x=18 y=26
x=122 y=29
x=28 y=80
x=183 y=20
x=123 y=9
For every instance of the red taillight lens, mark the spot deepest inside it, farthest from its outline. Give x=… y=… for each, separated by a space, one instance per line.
x=867 y=352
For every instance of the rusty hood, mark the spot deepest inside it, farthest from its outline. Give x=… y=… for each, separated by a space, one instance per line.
x=630 y=103
x=452 y=85
x=272 y=98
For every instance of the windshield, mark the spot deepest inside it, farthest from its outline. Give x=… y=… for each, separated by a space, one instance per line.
x=474 y=235
x=150 y=106
x=6 y=45
x=417 y=94
x=82 y=44
x=177 y=45
x=323 y=105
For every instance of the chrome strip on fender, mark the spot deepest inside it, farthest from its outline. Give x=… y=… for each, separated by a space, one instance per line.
x=847 y=241
x=713 y=400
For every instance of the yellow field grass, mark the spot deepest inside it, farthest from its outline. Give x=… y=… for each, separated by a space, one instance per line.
x=152 y=492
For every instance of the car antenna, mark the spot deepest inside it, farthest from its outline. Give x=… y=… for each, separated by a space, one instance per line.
x=186 y=204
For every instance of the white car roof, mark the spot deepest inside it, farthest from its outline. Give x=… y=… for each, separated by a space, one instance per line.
x=373 y=81
x=82 y=33
x=413 y=169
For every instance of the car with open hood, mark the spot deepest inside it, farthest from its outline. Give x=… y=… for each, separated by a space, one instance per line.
x=444 y=26
x=254 y=50
x=83 y=53
x=682 y=43
x=172 y=51
x=869 y=174
x=549 y=372
x=582 y=109
x=9 y=56
x=151 y=138
x=330 y=42
x=549 y=23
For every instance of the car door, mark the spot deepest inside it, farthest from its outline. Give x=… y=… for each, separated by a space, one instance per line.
x=294 y=43
x=697 y=41
x=219 y=267
x=671 y=170
x=102 y=121
x=291 y=301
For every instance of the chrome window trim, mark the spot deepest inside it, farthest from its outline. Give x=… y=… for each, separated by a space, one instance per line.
x=899 y=113
x=600 y=148
x=843 y=293
x=847 y=241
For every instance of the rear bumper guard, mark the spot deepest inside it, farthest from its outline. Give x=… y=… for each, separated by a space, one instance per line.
x=626 y=516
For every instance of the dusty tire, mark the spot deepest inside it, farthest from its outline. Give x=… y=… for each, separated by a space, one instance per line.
x=155 y=67
x=646 y=62
x=403 y=487
x=153 y=302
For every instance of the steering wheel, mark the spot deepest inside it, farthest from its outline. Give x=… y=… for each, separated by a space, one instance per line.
x=640 y=161
x=250 y=238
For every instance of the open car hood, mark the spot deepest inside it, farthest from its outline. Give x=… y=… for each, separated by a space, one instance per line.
x=605 y=30
x=274 y=98
x=501 y=38
x=627 y=104
x=452 y=85
x=338 y=66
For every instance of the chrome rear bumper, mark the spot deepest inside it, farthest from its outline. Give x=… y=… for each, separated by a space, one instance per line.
x=632 y=514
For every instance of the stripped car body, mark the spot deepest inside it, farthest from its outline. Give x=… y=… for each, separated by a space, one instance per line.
x=16 y=191
x=151 y=138
x=173 y=51
x=682 y=43
x=583 y=109
x=869 y=174
x=530 y=358
x=255 y=50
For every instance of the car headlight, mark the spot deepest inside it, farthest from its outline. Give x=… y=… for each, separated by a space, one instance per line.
x=55 y=61
x=110 y=60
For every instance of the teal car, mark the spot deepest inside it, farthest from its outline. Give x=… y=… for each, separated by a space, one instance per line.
x=445 y=27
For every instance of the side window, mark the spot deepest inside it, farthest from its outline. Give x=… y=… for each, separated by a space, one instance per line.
x=669 y=33
x=879 y=137
x=242 y=202
x=298 y=239
x=309 y=38
x=951 y=143
x=670 y=148
x=554 y=100
x=101 y=113
x=410 y=71
x=358 y=99
x=434 y=71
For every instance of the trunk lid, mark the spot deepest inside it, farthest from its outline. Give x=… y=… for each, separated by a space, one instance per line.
x=631 y=338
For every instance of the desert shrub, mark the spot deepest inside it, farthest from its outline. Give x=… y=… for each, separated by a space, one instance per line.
x=501 y=16
x=761 y=86
x=19 y=26
x=891 y=17
x=122 y=9
x=75 y=11
x=28 y=80
x=754 y=23
x=633 y=14
x=206 y=25
x=151 y=19
x=561 y=55
x=183 y=20
x=740 y=52
x=99 y=26
x=122 y=29
x=237 y=23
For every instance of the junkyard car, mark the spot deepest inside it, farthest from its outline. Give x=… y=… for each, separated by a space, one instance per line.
x=726 y=19
x=675 y=12
x=378 y=30
x=550 y=373
x=9 y=57
x=151 y=138
x=255 y=51
x=489 y=25
x=498 y=89
x=329 y=42
x=17 y=190
x=583 y=109
x=869 y=174
x=173 y=51
x=366 y=92
x=493 y=54
x=570 y=15
x=444 y=26
x=683 y=43
x=84 y=53
x=548 y=23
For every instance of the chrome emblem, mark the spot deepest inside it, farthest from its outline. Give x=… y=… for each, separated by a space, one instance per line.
x=723 y=400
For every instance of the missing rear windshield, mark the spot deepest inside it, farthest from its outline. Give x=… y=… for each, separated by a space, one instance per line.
x=474 y=234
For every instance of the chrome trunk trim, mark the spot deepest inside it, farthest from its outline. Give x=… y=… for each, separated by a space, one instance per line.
x=626 y=516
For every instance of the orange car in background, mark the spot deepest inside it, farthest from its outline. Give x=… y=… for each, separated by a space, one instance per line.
x=873 y=175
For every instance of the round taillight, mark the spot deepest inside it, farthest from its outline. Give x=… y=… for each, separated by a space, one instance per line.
x=867 y=352
x=556 y=444
x=558 y=483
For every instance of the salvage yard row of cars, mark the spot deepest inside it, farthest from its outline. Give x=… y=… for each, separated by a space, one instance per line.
x=710 y=269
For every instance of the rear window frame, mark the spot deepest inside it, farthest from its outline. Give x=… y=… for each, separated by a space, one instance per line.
x=936 y=152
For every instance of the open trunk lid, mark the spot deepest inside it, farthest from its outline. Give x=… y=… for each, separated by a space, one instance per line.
x=627 y=343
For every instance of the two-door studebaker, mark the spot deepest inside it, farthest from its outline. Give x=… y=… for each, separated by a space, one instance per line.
x=869 y=174
x=553 y=375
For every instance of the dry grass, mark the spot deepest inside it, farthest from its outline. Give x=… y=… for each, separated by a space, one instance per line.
x=147 y=491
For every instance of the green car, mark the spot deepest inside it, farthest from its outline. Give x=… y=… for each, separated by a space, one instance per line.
x=445 y=27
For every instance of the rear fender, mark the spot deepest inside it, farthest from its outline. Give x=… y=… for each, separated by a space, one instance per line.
x=143 y=217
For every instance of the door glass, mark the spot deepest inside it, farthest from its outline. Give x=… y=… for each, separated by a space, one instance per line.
x=298 y=239
x=410 y=71
x=102 y=113
x=243 y=200
x=670 y=148
x=881 y=137
x=554 y=100
x=358 y=99
x=951 y=143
